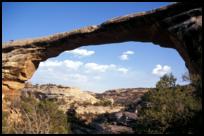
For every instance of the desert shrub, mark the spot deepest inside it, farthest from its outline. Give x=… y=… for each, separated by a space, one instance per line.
x=58 y=119
x=103 y=102
x=40 y=117
x=170 y=110
x=5 y=127
x=84 y=103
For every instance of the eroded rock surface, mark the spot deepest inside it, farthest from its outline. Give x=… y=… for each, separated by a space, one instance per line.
x=124 y=96
x=177 y=26
x=64 y=96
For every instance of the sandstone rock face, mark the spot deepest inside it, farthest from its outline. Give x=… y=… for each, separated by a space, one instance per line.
x=68 y=97
x=124 y=96
x=65 y=96
x=177 y=26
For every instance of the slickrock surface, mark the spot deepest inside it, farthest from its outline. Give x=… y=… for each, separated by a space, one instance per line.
x=124 y=96
x=65 y=96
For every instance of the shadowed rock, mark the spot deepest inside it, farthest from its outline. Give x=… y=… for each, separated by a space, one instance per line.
x=177 y=26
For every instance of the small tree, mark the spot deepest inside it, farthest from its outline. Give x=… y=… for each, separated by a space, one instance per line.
x=173 y=109
x=166 y=81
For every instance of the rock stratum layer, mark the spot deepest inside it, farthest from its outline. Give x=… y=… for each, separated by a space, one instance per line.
x=177 y=26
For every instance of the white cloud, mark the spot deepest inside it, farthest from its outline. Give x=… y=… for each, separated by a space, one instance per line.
x=50 y=64
x=98 y=67
x=81 y=52
x=72 y=64
x=54 y=65
x=50 y=69
x=123 y=70
x=125 y=55
x=104 y=68
x=79 y=78
x=129 y=52
x=64 y=72
x=97 y=77
x=160 y=71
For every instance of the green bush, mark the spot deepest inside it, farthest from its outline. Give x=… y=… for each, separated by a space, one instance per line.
x=103 y=102
x=170 y=110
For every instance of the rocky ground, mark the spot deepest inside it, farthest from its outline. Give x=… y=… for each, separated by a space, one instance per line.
x=111 y=112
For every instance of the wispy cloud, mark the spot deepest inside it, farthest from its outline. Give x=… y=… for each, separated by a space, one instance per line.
x=73 y=64
x=90 y=67
x=97 y=77
x=49 y=64
x=125 y=55
x=81 y=52
x=79 y=77
x=74 y=73
x=98 y=67
x=129 y=52
x=160 y=71
x=123 y=70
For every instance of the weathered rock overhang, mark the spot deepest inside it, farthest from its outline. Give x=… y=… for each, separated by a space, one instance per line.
x=177 y=26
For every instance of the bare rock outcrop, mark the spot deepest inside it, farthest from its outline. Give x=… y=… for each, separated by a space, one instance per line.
x=64 y=96
x=125 y=96
x=177 y=26
x=100 y=119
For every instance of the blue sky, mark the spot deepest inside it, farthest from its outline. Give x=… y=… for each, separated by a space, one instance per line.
x=93 y=68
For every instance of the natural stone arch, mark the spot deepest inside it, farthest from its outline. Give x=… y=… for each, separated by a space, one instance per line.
x=177 y=26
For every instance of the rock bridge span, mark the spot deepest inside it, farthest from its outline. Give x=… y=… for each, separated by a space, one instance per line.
x=177 y=26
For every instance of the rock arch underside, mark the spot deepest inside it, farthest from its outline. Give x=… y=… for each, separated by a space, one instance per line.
x=177 y=26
